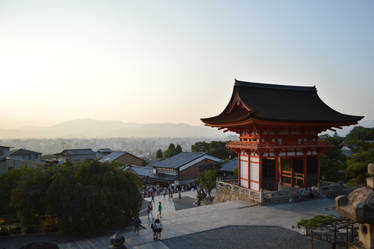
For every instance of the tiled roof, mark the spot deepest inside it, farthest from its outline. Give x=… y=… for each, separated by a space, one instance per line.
x=22 y=152
x=140 y=170
x=282 y=103
x=179 y=160
x=112 y=156
x=73 y=152
x=230 y=165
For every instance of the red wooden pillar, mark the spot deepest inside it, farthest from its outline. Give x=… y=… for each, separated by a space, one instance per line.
x=239 y=176
x=305 y=176
x=249 y=169
x=276 y=171
x=318 y=168
x=260 y=172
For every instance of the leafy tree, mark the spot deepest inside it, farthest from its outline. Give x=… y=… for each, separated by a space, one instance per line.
x=172 y=150
x=159 y=154
x=235 y=172
x=357 y=166
x=332 y=162
x=214 y=148
x=208 y=180
x=178 y=149
x=360 y=133
x=81 y=199
x=200 y=147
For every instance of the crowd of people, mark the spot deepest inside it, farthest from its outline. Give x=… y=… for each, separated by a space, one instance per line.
x=157 y=190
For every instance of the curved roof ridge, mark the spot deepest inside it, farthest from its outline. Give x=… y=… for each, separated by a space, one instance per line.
x=274 y=86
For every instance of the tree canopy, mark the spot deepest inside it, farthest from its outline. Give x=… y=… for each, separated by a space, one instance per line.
x=208 y=180
x=82 y=199
x=159 y=154
x=214 y=148
x=172 y=150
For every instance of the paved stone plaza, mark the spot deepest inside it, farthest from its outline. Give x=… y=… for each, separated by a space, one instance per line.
x=186 y=222
x=244 y=237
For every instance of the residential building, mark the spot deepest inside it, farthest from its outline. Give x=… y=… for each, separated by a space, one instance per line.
x=26 y=155
x=227 y=168
x=123 y=157
x=183 y=168
x=78 y=155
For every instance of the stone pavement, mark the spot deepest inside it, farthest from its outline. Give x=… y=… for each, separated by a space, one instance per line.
x=244 y=237
x=205 y=218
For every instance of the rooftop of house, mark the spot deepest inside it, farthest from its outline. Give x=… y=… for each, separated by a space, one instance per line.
x=140 y=170
x=112 y=156
x=105 y=150
x=282 y=103
x=76 y=152
x=179 y=160
x=23 y=152
x=230 y=165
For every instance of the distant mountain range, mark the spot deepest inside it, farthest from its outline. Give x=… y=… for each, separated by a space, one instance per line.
x=89 y=128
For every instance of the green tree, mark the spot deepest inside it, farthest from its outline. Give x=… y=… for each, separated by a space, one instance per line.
x=159 y=154
x=332 y=162
x=235 y=172
x=214 y=148
x=171 y=151
x=360 y=133
x=357 y=166
x=208 y=180
x=82 y=199
x=178 y=149
x=200 y=147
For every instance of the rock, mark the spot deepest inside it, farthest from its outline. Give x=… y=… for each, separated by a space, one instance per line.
x=370 y=182
x=40 y=245
x=371 y=169
x=359 y=205
x=117 y=241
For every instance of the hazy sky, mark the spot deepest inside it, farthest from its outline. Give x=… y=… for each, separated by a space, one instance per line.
x=176 y=61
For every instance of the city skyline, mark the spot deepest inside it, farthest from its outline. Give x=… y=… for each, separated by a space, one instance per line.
x=158 y=62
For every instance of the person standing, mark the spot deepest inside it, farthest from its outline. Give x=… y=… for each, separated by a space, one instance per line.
x=159 y=208
x=153 y=196
x=149 y=211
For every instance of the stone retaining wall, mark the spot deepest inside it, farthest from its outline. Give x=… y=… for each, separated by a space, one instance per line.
x=229 y=190
x=226 y=191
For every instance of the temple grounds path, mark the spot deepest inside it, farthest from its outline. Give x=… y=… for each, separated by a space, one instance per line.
x=178 y=224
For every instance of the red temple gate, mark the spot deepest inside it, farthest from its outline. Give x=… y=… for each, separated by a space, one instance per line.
x=278 y=129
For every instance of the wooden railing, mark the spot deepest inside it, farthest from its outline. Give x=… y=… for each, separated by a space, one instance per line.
x=283 y=144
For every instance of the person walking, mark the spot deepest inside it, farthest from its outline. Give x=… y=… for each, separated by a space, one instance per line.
x=157 y=229
x=159 y=208
x=137 y=223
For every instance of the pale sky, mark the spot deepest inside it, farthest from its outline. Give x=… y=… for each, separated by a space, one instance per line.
x=176 y=61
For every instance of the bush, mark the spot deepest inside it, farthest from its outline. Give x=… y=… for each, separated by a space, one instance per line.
x=4 y=231
x=317 y=221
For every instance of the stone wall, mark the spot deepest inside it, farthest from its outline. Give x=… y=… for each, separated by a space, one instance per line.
x=229 y=190
x=226 y=191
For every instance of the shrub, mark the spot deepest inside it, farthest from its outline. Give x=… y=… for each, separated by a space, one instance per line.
x=317 y=221
x=4 y=231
